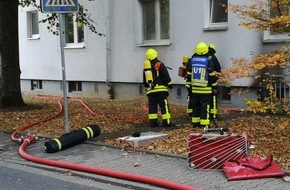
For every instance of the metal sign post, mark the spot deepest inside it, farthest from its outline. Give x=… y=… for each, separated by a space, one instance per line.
x=64 y=85
x=61 y=7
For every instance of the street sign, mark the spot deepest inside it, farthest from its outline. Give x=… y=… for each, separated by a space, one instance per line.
x=59 y=6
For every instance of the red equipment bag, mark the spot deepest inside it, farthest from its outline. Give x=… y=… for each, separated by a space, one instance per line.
x=252 y=168
x=210 y=151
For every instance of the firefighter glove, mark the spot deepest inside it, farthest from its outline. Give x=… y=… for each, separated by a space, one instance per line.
x=214 y=91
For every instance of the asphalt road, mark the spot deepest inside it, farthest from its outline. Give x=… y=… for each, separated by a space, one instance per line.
x=22 y=177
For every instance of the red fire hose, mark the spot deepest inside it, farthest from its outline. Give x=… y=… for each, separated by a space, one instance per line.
x=17 y=132
x=100 y=171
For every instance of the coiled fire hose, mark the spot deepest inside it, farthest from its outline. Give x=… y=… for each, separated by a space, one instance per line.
x=27 y=140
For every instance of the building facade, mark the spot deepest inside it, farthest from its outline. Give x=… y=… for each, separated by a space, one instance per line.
x=110 y=65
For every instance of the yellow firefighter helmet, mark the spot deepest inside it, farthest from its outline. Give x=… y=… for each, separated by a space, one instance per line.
x=151 y=54
x=201 y=48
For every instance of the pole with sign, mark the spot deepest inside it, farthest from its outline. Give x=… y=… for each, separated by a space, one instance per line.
x=59 y=6
x=62 y=7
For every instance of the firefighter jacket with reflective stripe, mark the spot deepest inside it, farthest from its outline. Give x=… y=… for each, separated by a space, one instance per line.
x=195 y=76
x=161 y=78
x=199 y=76
x=216 y=63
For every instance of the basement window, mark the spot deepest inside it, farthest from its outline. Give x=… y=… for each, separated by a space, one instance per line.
x=225 y=93
x=36 y=85
x=74 y=86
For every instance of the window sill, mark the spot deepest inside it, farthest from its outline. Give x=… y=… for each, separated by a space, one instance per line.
x=160 y=43
x=37 y=90
x=275 y=39
x=33 y=38
x=79 y=93
x=215 y=27
x=74 y=46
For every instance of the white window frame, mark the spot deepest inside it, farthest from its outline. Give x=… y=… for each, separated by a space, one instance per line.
x=29 y=15
x=208 y=17
x=268 y=37
x=272 y=38
x=77 y=86
x=75 y=44
x=140 y=30
x=36 y=85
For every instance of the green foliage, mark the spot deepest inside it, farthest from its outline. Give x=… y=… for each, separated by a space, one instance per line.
x=26 y=3
x=52 y=19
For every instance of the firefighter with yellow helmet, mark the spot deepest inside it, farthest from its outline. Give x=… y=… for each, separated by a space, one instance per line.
x=157 y=81
x=217 y=68
x=202 y=82
x=216 y=63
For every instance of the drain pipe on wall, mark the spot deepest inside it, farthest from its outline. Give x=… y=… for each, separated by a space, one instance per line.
x=108 y=53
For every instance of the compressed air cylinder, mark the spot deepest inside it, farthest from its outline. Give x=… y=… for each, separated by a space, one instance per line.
x=148 y=72
x=72 y=139
x=185 y=61
x=182 y=70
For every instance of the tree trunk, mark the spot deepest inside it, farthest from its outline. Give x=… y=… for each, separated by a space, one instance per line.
x=10 y=91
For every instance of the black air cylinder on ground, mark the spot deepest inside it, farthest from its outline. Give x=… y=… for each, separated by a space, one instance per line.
x=72 y=139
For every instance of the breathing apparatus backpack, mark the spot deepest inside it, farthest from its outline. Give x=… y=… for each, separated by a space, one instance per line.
x=150 y=75
x=182 y=69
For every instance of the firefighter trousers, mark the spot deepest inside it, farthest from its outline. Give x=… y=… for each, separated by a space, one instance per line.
x=155 y=99
x=213 y=106
x=201 y=104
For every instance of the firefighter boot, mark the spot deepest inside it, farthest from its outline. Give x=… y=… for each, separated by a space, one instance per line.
x=153 y=123
x=167 y=123
x=196 y=125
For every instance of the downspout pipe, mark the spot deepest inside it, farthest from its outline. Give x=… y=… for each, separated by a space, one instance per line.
x=108 y=50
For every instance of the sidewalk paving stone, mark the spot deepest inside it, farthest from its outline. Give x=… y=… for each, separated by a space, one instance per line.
x=169 y=168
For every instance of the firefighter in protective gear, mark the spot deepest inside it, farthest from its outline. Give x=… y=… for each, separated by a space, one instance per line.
x=217 y=68
x=216 y=63
x=201 y=81
x=184 y=66
x=182 y=73
x=157 y=82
